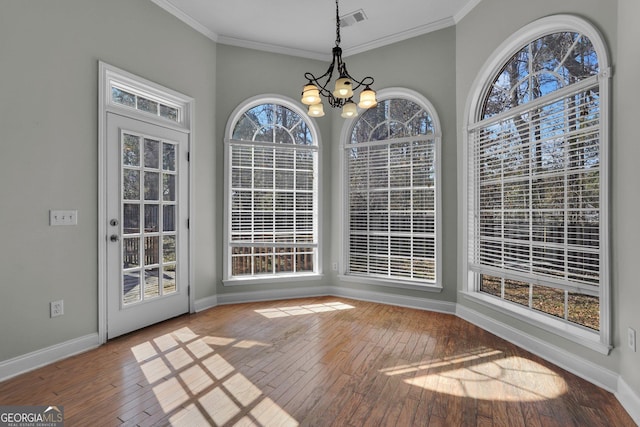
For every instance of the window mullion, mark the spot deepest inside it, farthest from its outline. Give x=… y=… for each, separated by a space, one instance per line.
x=388 y=152
x=274 y=210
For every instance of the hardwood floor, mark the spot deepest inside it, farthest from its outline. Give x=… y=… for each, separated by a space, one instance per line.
x=314 y=362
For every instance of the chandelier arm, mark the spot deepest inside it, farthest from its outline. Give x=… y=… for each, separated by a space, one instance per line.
x=367 y=81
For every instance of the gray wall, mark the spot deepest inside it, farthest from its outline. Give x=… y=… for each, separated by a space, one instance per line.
x=626 y=195
x=49 y=53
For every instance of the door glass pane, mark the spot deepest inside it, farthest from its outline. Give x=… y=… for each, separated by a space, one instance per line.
x=168 y=188
x=169 y=218
x=151 y=217
x=151 y=250
x=131 y=150
x=151 y=190
x=169 y=279
x=131 y=288
x=169 y=248
x=151 y=153
x=131 y=252
x=168 y=157
x=151 y=283
x=130 y=218
x=131 y=184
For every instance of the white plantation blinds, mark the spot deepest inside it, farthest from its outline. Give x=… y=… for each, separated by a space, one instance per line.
x=535 y=214
x=273 y=194
x=538 y=193
x=392 y=191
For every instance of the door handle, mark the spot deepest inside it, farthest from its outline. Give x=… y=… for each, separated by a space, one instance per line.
x=114 y=238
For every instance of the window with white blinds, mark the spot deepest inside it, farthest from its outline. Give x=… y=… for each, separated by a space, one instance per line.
x=392 y=184
x=272 y=194
x=536 y=169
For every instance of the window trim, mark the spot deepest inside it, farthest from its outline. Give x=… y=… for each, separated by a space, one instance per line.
x=343 y=194
x=236 y=115
x=599 y=341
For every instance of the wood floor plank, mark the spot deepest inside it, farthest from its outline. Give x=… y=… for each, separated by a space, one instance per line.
x=322 y=361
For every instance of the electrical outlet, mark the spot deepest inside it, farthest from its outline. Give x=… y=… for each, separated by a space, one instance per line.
x=631 y=338
x=334 y=266
x=57 y=308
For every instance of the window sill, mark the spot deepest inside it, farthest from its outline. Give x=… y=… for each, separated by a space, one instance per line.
x=390 y=283
x=577 y=334
x=273 y=279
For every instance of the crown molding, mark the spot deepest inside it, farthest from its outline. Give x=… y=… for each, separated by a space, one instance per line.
x=181 y=15
x=465 y=10
x=398 y=37
x=265 y=47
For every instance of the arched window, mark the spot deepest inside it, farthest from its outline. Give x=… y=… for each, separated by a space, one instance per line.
x=391 y=157
x=536 y=179
x=271 y=220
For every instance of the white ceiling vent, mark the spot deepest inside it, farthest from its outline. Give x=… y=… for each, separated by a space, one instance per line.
x=352 y=18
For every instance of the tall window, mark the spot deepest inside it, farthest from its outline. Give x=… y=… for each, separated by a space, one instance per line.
x=392 y=183
x=272 y=187
x=536 y=198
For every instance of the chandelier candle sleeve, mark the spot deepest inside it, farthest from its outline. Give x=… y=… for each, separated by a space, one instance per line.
x=344 y=86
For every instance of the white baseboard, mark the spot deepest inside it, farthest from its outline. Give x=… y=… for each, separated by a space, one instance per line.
x=629 y=400
x=357 y=294
x=272 y=295
x=36 y=359
x=583 y=368
x=205 y=303
x=392 y=299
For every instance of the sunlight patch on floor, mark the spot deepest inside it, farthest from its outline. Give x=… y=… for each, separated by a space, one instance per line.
x=487 y=375
x=195 y=385
x=250 y=344
x=405 y=369
x=297 y=310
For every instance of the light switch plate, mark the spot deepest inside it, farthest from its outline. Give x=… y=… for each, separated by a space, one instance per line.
x=58 y=217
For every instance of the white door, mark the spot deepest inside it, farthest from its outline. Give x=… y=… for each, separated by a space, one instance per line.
x=147 y=230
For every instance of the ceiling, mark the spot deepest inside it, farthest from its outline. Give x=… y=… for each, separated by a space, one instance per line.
x=307 y=28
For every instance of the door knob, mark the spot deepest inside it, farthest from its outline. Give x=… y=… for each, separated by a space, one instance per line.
x=114 y=238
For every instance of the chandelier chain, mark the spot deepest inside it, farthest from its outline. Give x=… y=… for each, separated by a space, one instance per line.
x=337 y=25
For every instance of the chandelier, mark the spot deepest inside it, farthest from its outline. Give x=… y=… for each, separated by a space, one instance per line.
x=342 y=95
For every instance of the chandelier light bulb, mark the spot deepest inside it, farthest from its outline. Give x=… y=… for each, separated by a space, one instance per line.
x=343 y=88
x=349 y=110
x=368 y=98
x=316 y=110
x=310 y=95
